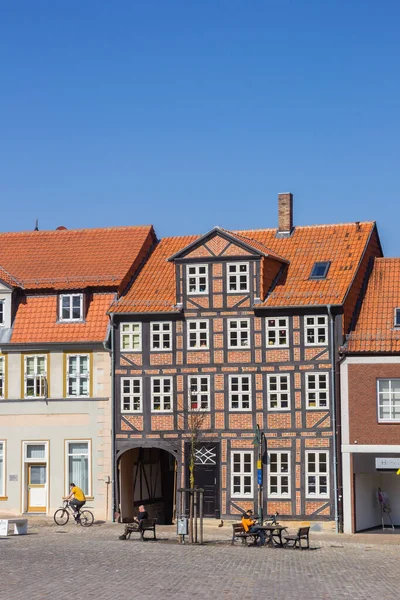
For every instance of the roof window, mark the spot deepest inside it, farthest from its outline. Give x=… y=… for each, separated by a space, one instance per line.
x=320 y=270
x=397 y=317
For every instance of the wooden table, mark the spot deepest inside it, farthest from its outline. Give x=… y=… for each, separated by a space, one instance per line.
x=274 y=534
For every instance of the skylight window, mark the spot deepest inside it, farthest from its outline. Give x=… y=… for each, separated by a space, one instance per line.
x=397 y=317
x=320 y=270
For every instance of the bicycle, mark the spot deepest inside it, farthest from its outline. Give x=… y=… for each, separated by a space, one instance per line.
x=272 y=520
x=61 y=516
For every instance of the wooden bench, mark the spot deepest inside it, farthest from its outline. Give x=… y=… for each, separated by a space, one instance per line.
x=303 y=533
x=238 y=533
x=144 y=525
x=20 y=526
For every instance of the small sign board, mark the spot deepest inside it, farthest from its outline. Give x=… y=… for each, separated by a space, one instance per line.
x=13 y=478
x=391 y=464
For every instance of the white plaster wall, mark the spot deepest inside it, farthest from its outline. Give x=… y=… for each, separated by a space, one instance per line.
x=6 y=297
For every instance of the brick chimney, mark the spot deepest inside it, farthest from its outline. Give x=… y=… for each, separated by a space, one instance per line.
x=285 y=214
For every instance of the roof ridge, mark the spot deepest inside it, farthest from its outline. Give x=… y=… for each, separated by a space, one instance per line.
x=78 y=230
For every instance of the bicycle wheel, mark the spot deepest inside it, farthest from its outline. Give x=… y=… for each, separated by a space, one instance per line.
x=61 y=516
x=87 y=518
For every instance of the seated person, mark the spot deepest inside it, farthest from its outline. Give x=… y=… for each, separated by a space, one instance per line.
x=141 y=516
x=76 y=499
x=250 y=526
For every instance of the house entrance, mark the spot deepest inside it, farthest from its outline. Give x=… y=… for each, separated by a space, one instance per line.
x=206 y=476
x=147 y=476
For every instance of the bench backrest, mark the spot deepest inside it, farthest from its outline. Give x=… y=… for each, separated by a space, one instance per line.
x=303 y=532
x=237 y=528
x=144 y=523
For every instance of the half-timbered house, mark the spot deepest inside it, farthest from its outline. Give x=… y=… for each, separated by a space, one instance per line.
x=243 y=327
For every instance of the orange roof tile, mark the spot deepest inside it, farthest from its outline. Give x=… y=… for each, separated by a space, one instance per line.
x=375 y=331
x=9 y=279
x=35 y=321
x=75 y=258
x=342 y=245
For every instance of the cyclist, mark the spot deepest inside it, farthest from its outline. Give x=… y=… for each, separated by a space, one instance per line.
x=76 y=499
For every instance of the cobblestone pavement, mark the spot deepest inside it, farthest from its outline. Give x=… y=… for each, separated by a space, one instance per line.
x=62 y=562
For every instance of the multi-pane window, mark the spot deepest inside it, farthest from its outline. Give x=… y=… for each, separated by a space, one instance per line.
x=397 y=317
x=238 y=277
x=277 y=331
x=317 y=475
x=316 y=330
x=197 y=279
x=71 y=307
x=1 y=312
x=2 y=376
x=161 y=336
x=279 y=474
x=278 y=389
x=197 y=335
x=242 y=474
x=131 y=394
x=78 y=465
x=2 y=478
x=78 y=367
x=388 y=399
x=238 y=333
x=161 y=394
x=35 y=382
x=317 y=390
x=199 y=392
x=239 y=392
x=131 y=337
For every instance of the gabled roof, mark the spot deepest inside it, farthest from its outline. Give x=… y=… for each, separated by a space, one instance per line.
x=75 y=258
x=375 y=331
x=154 y=290
x=35 y=321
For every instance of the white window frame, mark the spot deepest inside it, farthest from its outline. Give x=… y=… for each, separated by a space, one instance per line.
x=238 y=330
x=279 y=391
x=317 y=474
x=196 y=276
x=78 y=376
x=134 y=395
x=236 y=275
x=397 y=317
x=314 y=327
x=2 y=303
x=39 y=379
x=162 y=394
x=274 y=330
x=279 y=474
x=379 y=403
x=3 y=458
x=240 y=393
x=207 y=393
x=131 y=332
x=317 y=391
x=164 y=332
x=242 y=474
x=194 y=327
x=71 y=319
x=67 y=454
x=2 y=376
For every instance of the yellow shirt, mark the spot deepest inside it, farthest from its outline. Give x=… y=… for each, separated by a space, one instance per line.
x=78 y=494
x=247 y=523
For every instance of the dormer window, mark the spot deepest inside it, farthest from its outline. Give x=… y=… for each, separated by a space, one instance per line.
x=397 y=317
x=238 y=277
x=1 y=312
x=197 y=279
x=320 y=270
x=71 y=307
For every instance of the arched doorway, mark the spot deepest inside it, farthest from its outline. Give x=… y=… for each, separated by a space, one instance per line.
x=147 y=475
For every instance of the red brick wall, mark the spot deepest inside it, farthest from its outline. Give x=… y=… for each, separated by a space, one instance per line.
x=363 y=405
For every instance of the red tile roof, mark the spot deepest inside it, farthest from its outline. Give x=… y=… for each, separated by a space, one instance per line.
x=35 y=321
x=75 y=258
x=342 y=245
x=375 y=331
x=9 y=279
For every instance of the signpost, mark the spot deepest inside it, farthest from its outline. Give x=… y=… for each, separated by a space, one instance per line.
x=258 y=443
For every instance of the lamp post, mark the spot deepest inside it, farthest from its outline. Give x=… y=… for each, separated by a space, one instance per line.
x=258 y=443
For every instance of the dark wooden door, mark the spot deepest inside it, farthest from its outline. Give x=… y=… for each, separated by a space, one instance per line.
x=206 y=475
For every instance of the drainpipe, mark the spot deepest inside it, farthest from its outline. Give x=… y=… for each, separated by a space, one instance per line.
x=113 y=469
x=334 y=442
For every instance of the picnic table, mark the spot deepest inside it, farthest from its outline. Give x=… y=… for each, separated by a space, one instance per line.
x=274 y=534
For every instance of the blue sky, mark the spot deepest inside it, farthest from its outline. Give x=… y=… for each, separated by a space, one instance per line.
x=189 y=114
